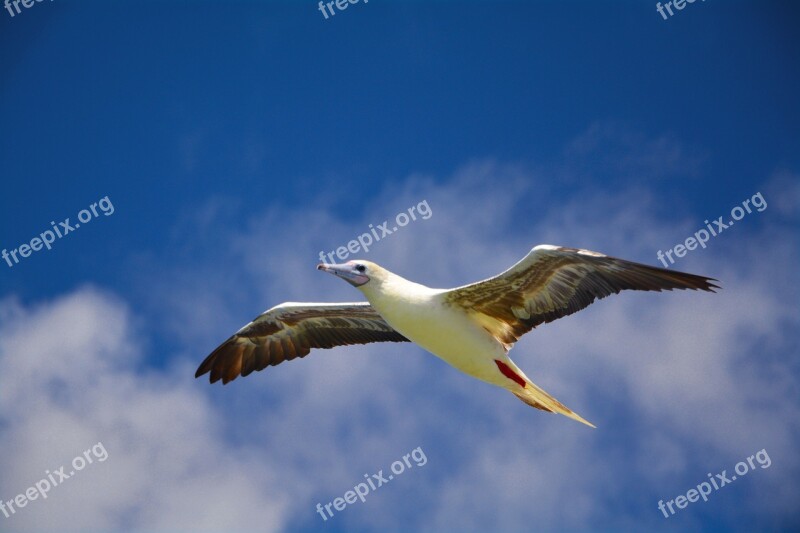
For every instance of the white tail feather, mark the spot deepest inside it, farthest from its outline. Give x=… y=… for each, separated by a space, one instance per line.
x=536 y=397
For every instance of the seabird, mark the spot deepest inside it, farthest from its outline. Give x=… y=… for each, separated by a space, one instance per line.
x=471 y=327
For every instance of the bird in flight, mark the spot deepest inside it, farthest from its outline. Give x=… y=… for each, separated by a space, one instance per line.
x=471 y=327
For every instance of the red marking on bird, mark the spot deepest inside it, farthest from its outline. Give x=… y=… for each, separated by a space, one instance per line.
x=510 y=374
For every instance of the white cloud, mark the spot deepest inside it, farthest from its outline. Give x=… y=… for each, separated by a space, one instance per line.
x=679 y=384
x=68 y=380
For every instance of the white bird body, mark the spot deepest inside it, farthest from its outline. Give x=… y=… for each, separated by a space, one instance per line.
x=471 y=328
x=420 y=314
x=425 y=317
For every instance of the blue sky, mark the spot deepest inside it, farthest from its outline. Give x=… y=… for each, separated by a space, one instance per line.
x=237 y=140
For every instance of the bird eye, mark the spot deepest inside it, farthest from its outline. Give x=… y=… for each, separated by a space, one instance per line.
x=361 y=268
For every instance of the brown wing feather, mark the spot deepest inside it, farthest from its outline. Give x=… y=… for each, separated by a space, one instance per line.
x=291 y=330
x=552 y=282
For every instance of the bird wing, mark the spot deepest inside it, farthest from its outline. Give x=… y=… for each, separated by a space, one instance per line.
x=290 y=330
x=552 y=282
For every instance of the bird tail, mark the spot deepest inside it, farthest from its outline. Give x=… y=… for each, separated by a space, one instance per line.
x=530 y=393
x=536 y=397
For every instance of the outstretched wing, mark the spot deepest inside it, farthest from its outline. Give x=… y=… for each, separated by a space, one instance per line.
x=291 y=330
x=552 y=281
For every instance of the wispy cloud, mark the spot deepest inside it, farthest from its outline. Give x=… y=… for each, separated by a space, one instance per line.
x=678 y=383
x=70 y=375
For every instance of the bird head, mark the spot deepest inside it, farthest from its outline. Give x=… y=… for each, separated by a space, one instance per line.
x=356 y=273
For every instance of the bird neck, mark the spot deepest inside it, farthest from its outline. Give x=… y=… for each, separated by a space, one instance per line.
x=396 y=289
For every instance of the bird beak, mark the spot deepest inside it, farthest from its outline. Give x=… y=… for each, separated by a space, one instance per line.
x=345 y=271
